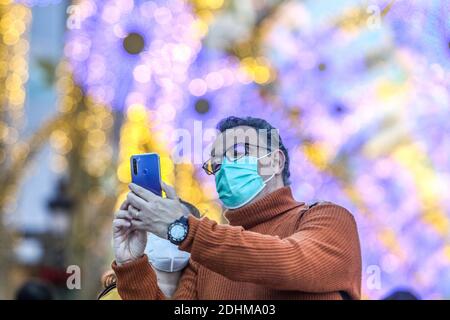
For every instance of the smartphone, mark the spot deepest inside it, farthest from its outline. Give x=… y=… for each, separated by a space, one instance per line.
x=146 y=172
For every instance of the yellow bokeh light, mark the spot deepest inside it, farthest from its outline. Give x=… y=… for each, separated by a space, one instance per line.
x=258 y=69
x=123 y=172
x=447 y=251
x=213 y=4
x=96 y=138
x=427 y=184
x=137 y=113
x=316 y=154
x=261 y=74
x=200 y=28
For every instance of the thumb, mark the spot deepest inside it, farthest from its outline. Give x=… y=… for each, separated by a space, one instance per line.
x=169 y=190
x=124 y=205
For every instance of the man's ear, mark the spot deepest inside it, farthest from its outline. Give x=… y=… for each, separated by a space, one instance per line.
x=279 y=160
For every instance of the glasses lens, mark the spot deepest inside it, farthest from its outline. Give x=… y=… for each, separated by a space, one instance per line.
x=207 y=167
x=210 y=167
x=215 y=167
x=237 y=151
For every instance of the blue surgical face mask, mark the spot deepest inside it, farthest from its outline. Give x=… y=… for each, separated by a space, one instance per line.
x=238 y=182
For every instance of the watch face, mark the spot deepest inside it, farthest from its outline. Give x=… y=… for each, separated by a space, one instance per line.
x=177 y=231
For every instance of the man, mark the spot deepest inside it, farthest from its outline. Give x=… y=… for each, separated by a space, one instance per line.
x=167 y=261
x=273 y=248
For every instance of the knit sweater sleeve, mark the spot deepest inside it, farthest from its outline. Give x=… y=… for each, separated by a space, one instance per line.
x=137 y=281
x=322 y=256
x=187 y=286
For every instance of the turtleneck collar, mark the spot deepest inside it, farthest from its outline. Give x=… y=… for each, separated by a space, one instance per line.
x=263 y=209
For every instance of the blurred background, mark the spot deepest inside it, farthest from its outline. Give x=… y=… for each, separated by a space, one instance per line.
x=360 y=90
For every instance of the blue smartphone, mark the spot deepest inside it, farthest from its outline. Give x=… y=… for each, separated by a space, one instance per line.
x=146 y=172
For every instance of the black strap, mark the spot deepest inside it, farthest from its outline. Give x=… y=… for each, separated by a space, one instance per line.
x=345 y=295
x=106 y=290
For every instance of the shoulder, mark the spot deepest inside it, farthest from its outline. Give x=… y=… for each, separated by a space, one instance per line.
x=327 y=220
x=326 y=211
x=318 y=203
x=327 y=207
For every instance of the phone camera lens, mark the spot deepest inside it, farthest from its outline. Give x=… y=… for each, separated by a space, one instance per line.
x=135 y=166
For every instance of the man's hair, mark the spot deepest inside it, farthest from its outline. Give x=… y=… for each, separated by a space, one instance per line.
x=258 y=124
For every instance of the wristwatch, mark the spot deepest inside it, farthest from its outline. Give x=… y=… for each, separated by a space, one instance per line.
x=178 y=230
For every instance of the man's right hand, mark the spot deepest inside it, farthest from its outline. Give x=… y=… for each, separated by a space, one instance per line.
x=129 y=243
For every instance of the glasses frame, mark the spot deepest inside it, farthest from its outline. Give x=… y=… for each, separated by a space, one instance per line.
x=246 y=145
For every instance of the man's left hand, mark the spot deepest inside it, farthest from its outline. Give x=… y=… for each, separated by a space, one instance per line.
x=153 y=213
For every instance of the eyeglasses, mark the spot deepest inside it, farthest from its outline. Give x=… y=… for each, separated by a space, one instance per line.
x=234 y=153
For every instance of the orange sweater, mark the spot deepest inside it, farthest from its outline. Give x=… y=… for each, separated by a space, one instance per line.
x=274 y=248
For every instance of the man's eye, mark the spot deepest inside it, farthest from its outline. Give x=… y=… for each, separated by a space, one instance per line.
x=240 y=149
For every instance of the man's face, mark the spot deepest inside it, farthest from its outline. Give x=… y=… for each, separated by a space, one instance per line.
x=241 y=141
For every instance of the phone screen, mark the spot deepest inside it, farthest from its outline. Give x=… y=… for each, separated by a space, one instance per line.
x=146 y=172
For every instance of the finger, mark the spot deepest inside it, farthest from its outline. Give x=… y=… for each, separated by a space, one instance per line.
x=123 y=214
x=142 y=192
x=124 y=205
x=133 y=212
x=169 y=190
x=136 y=201
x=137 y=225
x=121 y=223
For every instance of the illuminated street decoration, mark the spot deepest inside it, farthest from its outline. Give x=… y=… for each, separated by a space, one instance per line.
x=133 y=51
x=41 y=3
x=374 y=103
x=362 y=108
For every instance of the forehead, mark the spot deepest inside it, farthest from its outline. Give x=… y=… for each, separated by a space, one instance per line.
x=239 y=134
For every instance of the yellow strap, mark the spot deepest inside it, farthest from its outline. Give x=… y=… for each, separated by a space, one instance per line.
x=111 y=295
